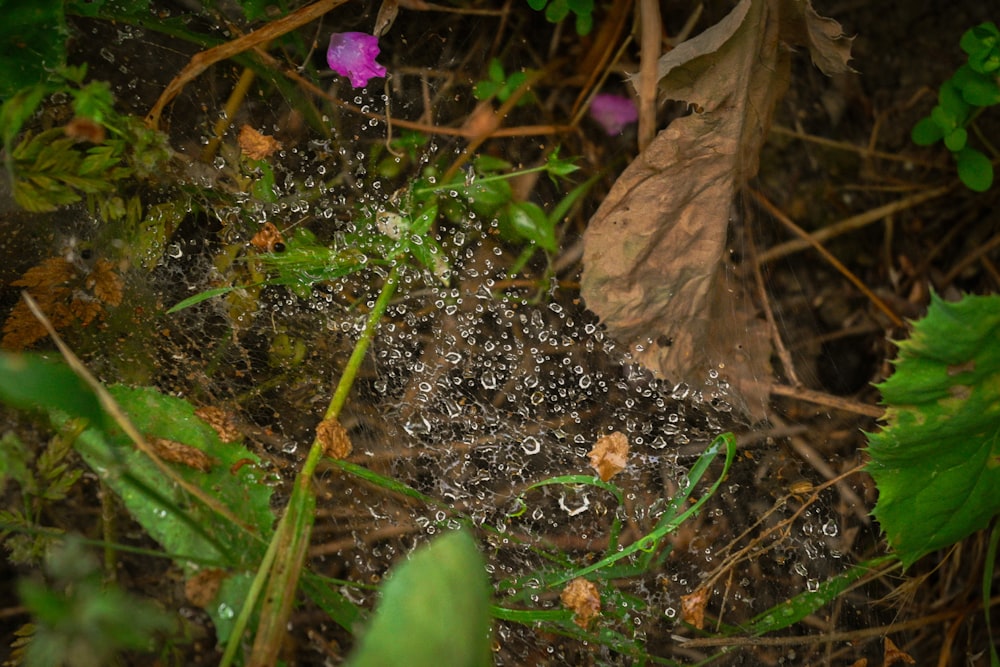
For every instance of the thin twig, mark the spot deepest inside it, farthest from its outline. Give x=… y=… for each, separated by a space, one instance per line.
x=650 y=49
x=201 y=61
x=834 y=262
x=851 y=224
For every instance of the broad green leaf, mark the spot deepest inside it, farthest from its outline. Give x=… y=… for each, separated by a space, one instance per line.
x=187 y=529
x=32 y=43
x=434 y=610
x=29 y=381
x=937 y=461
x=974 y=169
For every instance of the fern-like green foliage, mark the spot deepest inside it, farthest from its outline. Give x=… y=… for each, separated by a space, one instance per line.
x=50 y=171
x=937 y=461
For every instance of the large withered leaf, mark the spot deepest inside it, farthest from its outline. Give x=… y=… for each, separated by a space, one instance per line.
x=652 y=252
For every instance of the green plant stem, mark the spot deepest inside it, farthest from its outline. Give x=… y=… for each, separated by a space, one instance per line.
x=283 y=564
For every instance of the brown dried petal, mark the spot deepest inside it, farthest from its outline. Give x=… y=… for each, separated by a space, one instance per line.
x=609 y=455
x=334 y=438
x=583 y=598
x=178 y=452
x=255 y=145
x=693 y=607
x=265 y=239
x=893 y=654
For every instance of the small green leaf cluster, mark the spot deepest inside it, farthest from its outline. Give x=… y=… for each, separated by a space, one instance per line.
x=557 y=10
x=501 y=85
x=973 y=87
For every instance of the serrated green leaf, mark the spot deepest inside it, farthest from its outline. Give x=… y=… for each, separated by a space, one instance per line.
x=974 y=169
x=434 y=610
x=937 y=461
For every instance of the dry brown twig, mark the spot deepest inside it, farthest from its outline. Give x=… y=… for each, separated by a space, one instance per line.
x=201 y=61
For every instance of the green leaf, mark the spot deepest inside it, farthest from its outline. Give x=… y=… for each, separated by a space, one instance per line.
x=926 y=132
x=434 y=610
x=794 y=610
x=201 y=296
x=495 y=71
x=977 y=89
x=956 y=139
x=537 y=5
x=108 y=8
x=29 y=381
x=529 y=222
x=951 y=104
x=186 y=528
x=32 y=43
x=974 y=169
x=937 y=461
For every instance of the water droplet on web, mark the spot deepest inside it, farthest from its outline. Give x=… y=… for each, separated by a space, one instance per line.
x=225 y=611
x=531 y=445
x=830 y=528
x=418 y=426
x=488 y=380
x=574 y=511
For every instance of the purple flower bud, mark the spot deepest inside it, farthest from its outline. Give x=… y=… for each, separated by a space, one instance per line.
x=352 y=54
x=613 y=112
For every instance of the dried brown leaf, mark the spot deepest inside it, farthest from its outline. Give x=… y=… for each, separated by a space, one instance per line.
x=693 y=607
x=609 y=455
x=336 y=443
x=66 y=292
x=105 y=282
x=584 y=599
x=255 y=145
x=653 y=251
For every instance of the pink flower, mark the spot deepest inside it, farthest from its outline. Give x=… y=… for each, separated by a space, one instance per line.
x=352 y=54
x=613 y=112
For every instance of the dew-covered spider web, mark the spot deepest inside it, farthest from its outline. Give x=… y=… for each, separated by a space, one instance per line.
x=480 y=392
